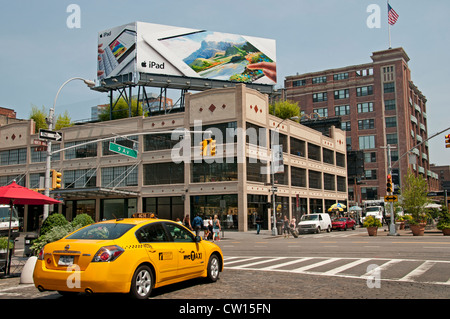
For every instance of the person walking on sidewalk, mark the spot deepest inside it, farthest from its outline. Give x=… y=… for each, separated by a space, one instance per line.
x=216 y=228
x=286 y=228
x=197 y=224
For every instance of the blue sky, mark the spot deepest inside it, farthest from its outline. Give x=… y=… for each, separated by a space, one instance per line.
x=39 y=52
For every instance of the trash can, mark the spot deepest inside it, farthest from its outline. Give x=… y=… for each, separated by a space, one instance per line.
x=29 y=238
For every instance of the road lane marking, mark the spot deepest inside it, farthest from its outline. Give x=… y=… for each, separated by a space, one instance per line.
x=418 y=271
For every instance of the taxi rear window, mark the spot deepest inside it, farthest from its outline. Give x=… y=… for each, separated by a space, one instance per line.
x=101 y=231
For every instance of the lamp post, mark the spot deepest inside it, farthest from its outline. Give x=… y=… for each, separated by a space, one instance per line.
x=272 y=169
x=50 y=122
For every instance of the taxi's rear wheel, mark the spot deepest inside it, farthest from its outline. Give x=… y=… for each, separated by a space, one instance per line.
x=142 y=282
x=213 y=268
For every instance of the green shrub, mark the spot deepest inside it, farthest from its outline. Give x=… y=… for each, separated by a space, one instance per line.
x=371 y=221
x=53 y=221
x=82 y=220
x=54 y=234
x=4 y=243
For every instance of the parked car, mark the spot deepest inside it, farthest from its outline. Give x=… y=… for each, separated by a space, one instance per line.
x=343 y=223
x=314 y=223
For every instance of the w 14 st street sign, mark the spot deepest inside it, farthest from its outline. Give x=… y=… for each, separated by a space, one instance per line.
x=116 y=148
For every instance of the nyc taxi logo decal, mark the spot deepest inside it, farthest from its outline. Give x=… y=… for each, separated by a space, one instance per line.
x=193 y=256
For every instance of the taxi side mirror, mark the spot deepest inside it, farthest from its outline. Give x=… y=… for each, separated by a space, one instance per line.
x=198 y=239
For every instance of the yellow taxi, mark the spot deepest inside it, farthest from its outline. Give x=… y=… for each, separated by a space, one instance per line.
x=131 y=255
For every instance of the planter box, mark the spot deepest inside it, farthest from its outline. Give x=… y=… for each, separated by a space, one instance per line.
x=372 y=231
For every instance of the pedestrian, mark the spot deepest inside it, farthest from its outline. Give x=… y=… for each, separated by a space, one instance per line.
x=187 y=222
x=286 y=226
x=293 y=224
x=216 y=228
x=197 y=224
x=178 y=221
x=258 y=224
x=210 y=228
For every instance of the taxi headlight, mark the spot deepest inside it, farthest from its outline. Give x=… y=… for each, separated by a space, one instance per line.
x=108 y=253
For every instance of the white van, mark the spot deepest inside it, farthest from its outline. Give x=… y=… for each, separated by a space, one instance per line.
x=375 y=211
x=314 y=223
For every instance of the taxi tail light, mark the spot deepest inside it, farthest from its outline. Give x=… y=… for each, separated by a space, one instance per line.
x=108 y=253
x=41 y=254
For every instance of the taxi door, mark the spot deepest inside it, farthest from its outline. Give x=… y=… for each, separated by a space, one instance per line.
x=160 y=250
x=191 y=255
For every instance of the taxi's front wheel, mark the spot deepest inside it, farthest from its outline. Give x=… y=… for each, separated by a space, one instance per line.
x=213 y=268
x=142 y=282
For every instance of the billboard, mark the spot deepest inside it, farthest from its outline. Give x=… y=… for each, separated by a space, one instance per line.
x=167 y=50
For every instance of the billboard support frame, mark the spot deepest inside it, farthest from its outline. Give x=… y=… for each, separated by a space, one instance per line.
x=123 y=82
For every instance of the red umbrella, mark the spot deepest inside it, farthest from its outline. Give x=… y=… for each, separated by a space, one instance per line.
x=14 y=194
x=20 y=195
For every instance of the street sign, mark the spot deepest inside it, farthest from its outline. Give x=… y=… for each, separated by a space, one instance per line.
x=39 y=142
x=50 y=135
x=116 y=148
x=391 y=198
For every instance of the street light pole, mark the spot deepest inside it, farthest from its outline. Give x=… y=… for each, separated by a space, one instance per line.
x=272 y=169
x=50 y=122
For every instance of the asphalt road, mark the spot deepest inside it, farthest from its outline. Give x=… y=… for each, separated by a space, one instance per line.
x=328 y=266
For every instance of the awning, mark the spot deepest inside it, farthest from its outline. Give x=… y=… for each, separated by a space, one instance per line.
x=92 y=192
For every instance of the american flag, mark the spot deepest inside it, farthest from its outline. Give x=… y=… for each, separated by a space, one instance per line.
x=392 y=15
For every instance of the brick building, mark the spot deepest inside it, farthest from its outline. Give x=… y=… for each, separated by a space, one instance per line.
x=378 y=104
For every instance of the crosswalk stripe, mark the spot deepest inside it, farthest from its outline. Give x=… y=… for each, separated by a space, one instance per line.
x=295 y=261
x=346 y=266
x=418 y=271
x=320 y=263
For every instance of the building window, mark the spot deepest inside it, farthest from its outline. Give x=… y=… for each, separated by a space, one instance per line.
x=341 y=94
x=342 y=110
x=120 y=176
x=348 y=142
x=369 y=193
x=389 y=105
x=80 y=178
x=328 y=156
x=391 y=121
x=255 y=169
x=214 y=172
x=329 y=182
x=341 y=184
x=315 y=179
x=366 y=142
x=365 y=72
x=370 y=174
x=391 y=138
x=163 y=173
x=314 y=152
x=12 y=157
x=155 y=142
x=389 y=87
x=40 y=156
x=364 y=90
x=367 y=124
x=255 y=134
x=320 y=97
x=298 y=83
x=394 y=156
x=340 y=159
x=370 y=157
x=365 y=107
x=340 y=76
x=346 y=126
x=319 y=79
x=83 y=151
x=298 y=176
x=323 y=112
x=297 y=147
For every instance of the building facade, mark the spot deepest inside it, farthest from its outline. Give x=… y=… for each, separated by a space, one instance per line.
x=379 y=105
x=171 y=178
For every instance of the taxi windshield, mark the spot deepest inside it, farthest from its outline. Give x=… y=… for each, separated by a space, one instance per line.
x=101 y=231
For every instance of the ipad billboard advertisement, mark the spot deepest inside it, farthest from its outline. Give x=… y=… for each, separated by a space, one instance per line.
x=176 y=51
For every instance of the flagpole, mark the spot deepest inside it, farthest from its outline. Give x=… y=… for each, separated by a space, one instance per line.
x=389 y=27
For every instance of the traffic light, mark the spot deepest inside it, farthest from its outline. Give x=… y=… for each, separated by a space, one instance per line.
x=389 y=188
x=212 y=145
x=56 y=179
x=204 y=146
x=447 y=141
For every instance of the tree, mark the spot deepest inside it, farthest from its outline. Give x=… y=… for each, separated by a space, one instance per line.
x=120 y=110
x=285 y=109
x=414 y=197
x=39 y=117
x=63 y=121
